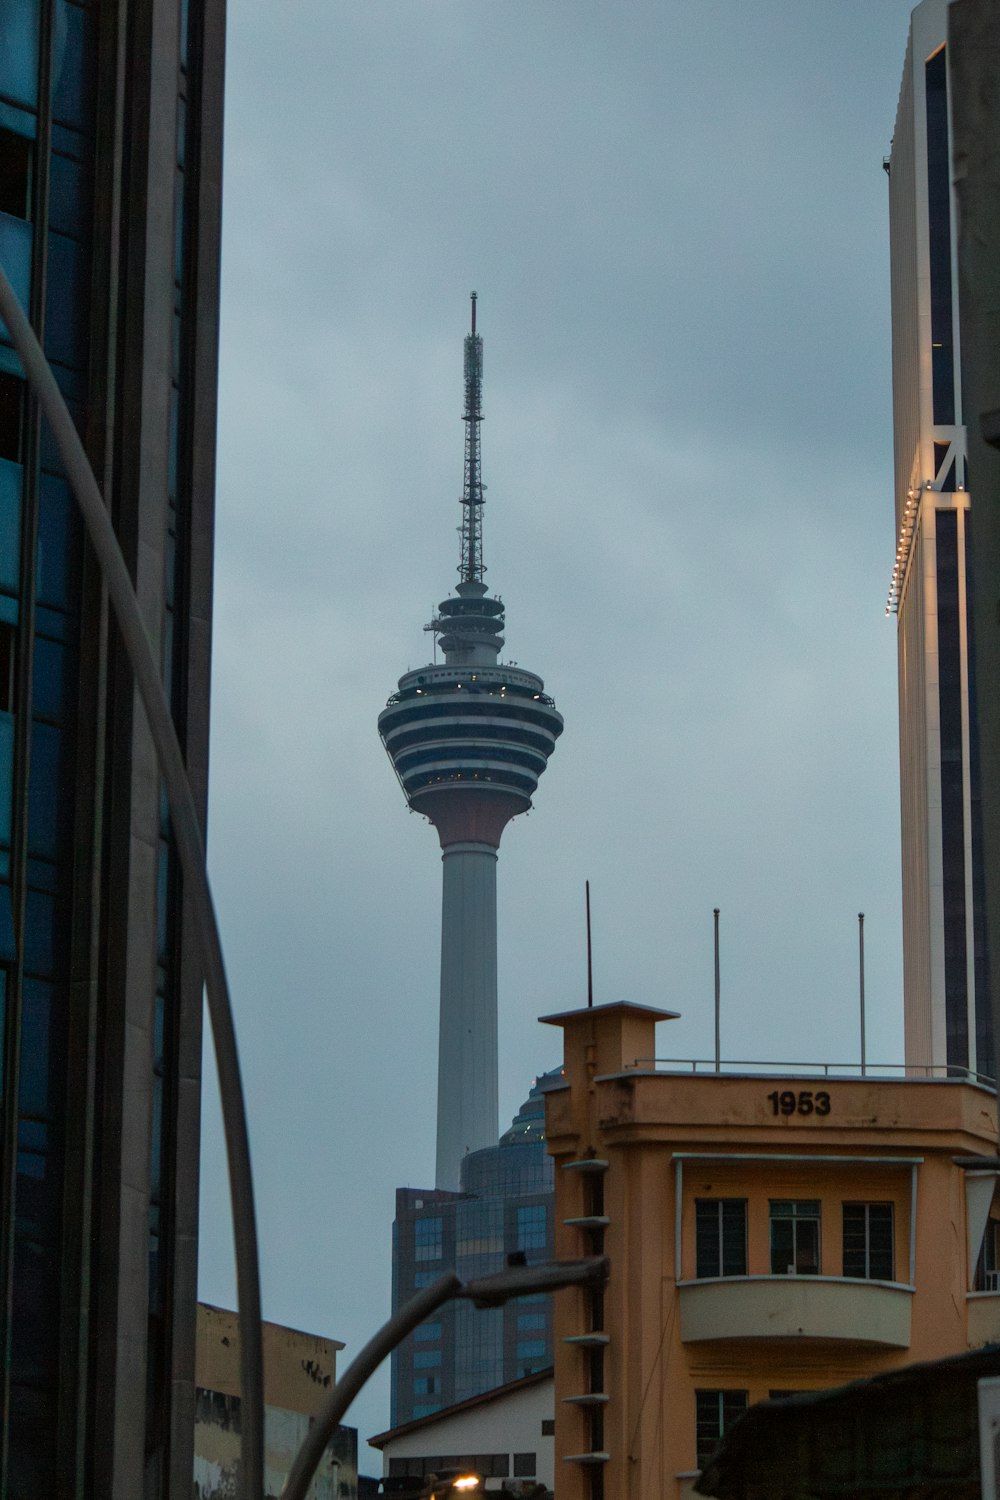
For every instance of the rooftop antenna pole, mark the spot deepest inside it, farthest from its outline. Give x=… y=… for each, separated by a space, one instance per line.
x=471 y=565
x=718 y=1047
x=861 y=981
x=590 y=957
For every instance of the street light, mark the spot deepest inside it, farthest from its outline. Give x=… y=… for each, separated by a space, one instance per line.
x=487 y=1291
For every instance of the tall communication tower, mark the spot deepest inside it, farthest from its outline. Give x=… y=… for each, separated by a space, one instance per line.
x=468 y=741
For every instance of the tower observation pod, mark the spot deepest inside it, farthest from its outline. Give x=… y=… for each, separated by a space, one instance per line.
x=468 y=741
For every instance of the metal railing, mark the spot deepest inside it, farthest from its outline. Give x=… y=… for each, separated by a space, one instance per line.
x=767 y=1068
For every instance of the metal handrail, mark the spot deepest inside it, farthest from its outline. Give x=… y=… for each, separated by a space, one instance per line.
x=767 y=1067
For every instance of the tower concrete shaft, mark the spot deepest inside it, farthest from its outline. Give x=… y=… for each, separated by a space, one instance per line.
x=468 y=741
x=467 y=1041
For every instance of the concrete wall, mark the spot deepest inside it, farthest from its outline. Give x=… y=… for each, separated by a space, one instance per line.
x=299 y=1371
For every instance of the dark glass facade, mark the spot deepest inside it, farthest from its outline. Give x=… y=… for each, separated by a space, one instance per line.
x=956 y=979
x=939 y=230
x=110 y=131
x=505 y=1208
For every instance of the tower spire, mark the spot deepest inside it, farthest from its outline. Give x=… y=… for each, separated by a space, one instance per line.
x=471 y=566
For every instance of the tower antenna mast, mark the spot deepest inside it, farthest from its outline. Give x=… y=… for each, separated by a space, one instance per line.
x=471 y=565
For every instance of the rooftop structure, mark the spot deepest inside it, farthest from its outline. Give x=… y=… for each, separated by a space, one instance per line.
x=468 y=741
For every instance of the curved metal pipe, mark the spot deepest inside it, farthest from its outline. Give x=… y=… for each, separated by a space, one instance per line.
x=191 y=851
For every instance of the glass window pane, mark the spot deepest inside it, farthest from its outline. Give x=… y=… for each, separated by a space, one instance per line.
x=530 y=1348
x=44 y=799
x=40 y=934
x=73 y=67
x=64 y=301
x=36 y=1019
x=66 y=195
x=16 y=157
x=48 y=677
x=10 y=525
x=55 y=535
x=6 y=774
x=782 y=1247
x=15 y=253
x=19 y=50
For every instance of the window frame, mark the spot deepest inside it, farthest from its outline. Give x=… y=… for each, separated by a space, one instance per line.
x=718 y=1253
x=803 y=1211
x=866 y=1251
x=717 y=1409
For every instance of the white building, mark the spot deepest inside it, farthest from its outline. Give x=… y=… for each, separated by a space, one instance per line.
x=506 y=1435
x=947 y=1008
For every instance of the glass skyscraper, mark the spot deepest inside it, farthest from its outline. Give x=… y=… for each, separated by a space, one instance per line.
x=110 y=169
x=504 y=1208
x=946 y=997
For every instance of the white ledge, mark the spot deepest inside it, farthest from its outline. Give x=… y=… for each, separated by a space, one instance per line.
x=836 y=1308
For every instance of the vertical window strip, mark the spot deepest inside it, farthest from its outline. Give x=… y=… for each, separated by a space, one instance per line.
x=952 y=790
x=985 y=1046
x=939 y=234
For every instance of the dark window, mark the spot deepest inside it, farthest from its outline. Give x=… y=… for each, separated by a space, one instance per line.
x=531 y=1322
x=984 y=1008
x=531 y=1227
x=428 y=1235
x=425 y=1385
x=426 y=1359
x=953 y=869
x=11 y=416
x=525 y=1465
x=15 y=175
x=490 y=1465
x=721 y=1236
x=427 y=1333
x=8 y=641
x=868 y=1248
x=531 y=1348
x=988 y=1267
x=794 y=1237
x=548 y=1427
x=716 y=1411
x=939 y=238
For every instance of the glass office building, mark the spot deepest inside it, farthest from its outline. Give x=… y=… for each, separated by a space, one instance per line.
x=504 y=1208
x=946 y=996
x=110 y=141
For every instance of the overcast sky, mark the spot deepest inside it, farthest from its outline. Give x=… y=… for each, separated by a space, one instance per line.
x=675 y=216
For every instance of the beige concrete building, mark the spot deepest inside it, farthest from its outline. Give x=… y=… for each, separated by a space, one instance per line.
x=299 y=1370
x=767 y=1234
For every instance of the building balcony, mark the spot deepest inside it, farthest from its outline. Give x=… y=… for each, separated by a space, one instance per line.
x=984 y=1317
x=783 y=1307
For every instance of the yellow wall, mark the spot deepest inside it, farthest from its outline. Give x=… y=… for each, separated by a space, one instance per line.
x=641 y=1123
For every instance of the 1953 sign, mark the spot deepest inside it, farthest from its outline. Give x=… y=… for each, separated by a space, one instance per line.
x=805 y=1102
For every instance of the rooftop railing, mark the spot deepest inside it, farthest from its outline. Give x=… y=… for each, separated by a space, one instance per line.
x=768 y=1069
